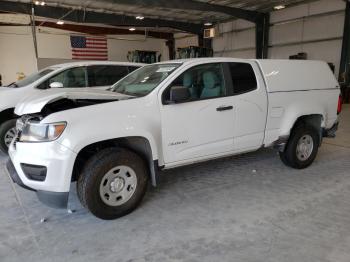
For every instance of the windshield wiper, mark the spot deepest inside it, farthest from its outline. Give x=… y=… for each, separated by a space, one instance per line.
x=12 y=85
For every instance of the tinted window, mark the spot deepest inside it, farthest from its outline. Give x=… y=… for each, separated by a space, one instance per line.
x=106 y=75
x=31 y=79
x=73 y=77
x=243 y=78
x=203 y=81
x=132 y=68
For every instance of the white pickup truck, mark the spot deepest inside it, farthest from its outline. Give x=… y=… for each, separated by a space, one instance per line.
x=167 y=115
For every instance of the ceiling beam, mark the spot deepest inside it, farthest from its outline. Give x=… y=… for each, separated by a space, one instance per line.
x=251 y=16
x=97 y=30
x=81 y=16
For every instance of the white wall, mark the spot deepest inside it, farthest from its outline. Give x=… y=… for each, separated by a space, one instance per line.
x=319 y=36
x=236 y=39
x=17 y=49
x=296 y=29
x=16 y=52
x=54 y=43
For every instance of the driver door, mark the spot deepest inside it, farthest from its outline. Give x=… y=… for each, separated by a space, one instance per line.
x=204 y=125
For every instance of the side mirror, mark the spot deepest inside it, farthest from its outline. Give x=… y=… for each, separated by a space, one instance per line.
x=56 y=85
x=179 y=94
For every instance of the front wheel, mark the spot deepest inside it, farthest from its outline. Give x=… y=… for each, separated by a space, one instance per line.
x=302 y=147
x=113 y=183
x=7 y=133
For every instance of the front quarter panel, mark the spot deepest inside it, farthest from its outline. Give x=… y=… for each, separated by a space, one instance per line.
x=127 y=118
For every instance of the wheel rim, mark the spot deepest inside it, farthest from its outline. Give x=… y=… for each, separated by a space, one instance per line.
x=9 y=135
x=305 y=147
x=118 y=185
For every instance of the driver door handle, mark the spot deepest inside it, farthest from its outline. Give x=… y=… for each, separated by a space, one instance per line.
x=224 y=108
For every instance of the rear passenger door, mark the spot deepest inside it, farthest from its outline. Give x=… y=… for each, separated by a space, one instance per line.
x=104 y=76
x=250 y=105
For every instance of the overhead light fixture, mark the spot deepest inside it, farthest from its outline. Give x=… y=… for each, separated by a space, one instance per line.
x=39 y=3
x=208 y=24
x=132 y=29
x=279 y=7
x=139 y=17
x=60 y=22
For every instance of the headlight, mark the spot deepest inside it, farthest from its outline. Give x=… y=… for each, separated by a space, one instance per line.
x=36 y=132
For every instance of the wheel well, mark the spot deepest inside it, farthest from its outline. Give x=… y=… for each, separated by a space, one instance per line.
x=139 y=145
x=314 y=121
x=311 y=120
x=7 y=115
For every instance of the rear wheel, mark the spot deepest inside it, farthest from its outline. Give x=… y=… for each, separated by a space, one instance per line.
x=7 y=133
x=302 y=147
x=113 y=183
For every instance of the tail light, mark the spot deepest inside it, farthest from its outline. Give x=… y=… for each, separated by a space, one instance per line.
x=340 y=104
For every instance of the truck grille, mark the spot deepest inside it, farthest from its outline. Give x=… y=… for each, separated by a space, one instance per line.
x=16 y=139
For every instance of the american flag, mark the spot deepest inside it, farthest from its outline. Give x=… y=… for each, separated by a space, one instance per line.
x=89 y=48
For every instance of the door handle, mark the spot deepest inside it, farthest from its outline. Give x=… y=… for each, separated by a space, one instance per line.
x=224 y=108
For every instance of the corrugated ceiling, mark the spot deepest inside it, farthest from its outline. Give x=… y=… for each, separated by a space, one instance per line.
x=178 y=14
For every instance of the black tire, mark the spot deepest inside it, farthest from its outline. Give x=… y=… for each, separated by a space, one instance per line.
x=289 y=156
x=4 y=127
x=89 y=182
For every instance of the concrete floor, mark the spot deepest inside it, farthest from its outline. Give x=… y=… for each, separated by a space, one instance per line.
x=246 y=208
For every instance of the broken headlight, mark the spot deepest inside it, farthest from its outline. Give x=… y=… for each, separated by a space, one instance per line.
x=37 y=132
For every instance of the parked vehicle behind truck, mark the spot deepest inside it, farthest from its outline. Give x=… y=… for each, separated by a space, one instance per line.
x=168 y=115
x=92 y=74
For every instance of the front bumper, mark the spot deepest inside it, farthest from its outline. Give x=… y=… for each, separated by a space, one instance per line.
x=58 y=160
x=52 y=199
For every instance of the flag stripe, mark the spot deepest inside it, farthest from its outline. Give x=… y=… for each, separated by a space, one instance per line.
x=89 y=50
x=100 y=55
x=86 y=48
x=97 y=44
x=96 y=39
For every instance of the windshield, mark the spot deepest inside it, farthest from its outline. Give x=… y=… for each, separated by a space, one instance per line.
x=142 y=81
x=31 y=78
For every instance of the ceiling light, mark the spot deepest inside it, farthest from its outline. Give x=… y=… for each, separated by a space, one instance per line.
x=132 y=29
x=139 y=17
x=60 y=22
x=208 y=24
x=39 y=3
x=279 y=7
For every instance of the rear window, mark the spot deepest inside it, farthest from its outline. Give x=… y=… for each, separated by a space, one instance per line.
x=243 y=78
x=106 y=75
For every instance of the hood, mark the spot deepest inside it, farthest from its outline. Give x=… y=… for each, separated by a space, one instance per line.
x=35 y=103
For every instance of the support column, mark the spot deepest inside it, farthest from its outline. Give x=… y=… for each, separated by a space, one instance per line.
x=171 y=46
x=345 y=52
x=262 y=36
x=32 y=21
x=205 y=42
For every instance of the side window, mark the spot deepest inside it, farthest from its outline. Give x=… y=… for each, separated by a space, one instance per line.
x=106 y=75
x=73 y=77
x=243 y=78
x=132 y=68
x=203 y=81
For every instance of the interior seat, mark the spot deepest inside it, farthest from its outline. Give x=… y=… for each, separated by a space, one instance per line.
x=212 y=86
x=188 y=82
